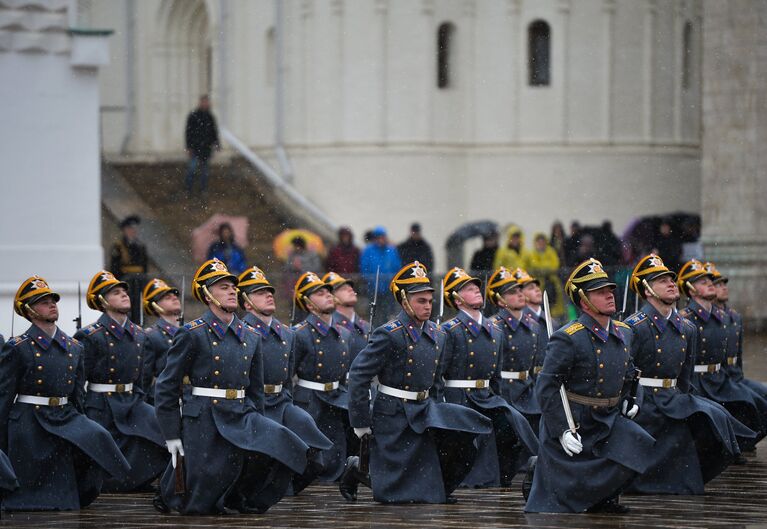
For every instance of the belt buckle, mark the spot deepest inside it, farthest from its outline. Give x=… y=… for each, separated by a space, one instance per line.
x=730 y=360
x=328 y=386
x=120 y=388
x=537 y=369
x=269 y=388
x=54 y=401
x=422 y=395
x=231 y=394
x=711 y=368
x=479 y=384
x=523 y=375
x=667 y=383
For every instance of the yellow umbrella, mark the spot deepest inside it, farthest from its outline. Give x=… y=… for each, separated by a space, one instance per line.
x=283 y=244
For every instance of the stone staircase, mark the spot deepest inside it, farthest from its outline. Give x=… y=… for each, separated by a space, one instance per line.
x=155 y=191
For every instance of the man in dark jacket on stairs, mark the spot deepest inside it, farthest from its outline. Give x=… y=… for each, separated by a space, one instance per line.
x=201 y=137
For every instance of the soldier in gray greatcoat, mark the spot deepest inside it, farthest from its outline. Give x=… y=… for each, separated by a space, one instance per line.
x=322 y=361
x=113 y=357
x=234 y=458
x=584 y=465
x=60 y=456
x=256 y=296
x=421 y=447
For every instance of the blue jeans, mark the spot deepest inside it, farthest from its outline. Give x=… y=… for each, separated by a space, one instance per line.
x=191 y=169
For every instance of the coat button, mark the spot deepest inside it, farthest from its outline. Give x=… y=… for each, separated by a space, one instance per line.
x=659 y=349
x=407 y=387
x=38 y=355
x=471 y=365
x=39 y=382
x=216 y=372
x=601 y=366
x=39 y=368
x=409 y=360
x=319 y=364
x=320 y=353
x=409 y=375
x=410 y=347
x=317 y=340
x=111 y=369
x=215 y=343
x=215 y=401
x=216 y=358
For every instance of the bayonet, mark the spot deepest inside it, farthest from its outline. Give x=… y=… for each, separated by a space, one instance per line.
x=79 y=319
x=441 y=302
x=375 y=296
x=625 y=298
x=183 y=301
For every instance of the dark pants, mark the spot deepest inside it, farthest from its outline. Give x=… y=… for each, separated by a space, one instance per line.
x=197 y=162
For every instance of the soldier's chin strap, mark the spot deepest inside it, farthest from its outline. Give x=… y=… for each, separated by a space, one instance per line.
x=457 y=297
x=213 y=300
x=310 y=305
x=691 y=290
x=106 y=306
x=652 y=292
x=34 y=314
x=582 y=295
x=406 y=304
x=246 y=298
x=499 y=300
x=161 y=311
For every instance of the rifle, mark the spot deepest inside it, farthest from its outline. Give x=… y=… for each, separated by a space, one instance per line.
x=441 y=302
x=141 y=309
x=183 y=302
x=375 y=296
x=179 y=487
x=622 y=313
x=293 y=312
x=562 y=391
x=484 y=294
x=79 y=319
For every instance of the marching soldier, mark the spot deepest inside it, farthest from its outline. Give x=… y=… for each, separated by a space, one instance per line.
x=709 y=379
x=734 y=325
x=695 y=438
x=277 y=341
x=422 y=448
x=113 y=356
x=531 y=288
x=162 y=301
x=345 y=297
x=520 y=347
x=322 y=361
x=230 y=457
x=60 y=456
x=471 y=361
x=585 y=470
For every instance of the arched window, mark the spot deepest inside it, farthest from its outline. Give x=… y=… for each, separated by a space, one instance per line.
x=686 y=55
x=539 y=53
x=444 y=45
x=270 y=61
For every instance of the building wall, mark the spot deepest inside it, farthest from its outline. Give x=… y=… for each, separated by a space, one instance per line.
x=363 y=108
x=50 y=202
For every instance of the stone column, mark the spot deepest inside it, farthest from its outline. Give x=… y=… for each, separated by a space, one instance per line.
x=734 y=171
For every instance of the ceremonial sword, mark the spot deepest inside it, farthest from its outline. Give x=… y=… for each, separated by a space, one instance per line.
x=562 y=391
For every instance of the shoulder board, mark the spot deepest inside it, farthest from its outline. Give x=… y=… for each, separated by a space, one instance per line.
x=194 y=324
x=685 y=312
x=734 y=313
x=17 y=340
x=450 y=324
x=392 y=326
x=249 y=327
x=74 y=341
x=575 y=327
x=92 y=328
x=149 y=330
x=621 y=324
x=299 y=326
x=636 y=318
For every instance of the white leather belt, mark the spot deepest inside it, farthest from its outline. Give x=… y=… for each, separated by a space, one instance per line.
x=318 y=386
x=42 y=401
x=514 y=375
x=271 y=389
x=732 y=360
x=658 y=382
x=476 y=384
x=228 y=394
x=707 y=368
x=110 y=388
x=402 y=394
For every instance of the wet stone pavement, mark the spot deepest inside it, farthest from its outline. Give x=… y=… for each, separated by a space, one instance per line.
x=738 y=498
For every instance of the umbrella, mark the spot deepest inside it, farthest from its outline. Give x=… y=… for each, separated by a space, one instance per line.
x=282 y=244
x=207 y=233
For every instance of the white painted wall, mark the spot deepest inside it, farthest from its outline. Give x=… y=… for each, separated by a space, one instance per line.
x=363 y=109
x=50 y=205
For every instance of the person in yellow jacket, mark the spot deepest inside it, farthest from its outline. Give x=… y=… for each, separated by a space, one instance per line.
x=543 y=263
x=513 y=254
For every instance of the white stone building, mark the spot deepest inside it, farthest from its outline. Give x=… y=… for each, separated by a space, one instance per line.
x=442 y=111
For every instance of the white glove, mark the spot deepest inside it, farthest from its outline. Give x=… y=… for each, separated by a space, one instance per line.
x=176 y=449
x=630 y=413
x=361 y=432
x=571 y=443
